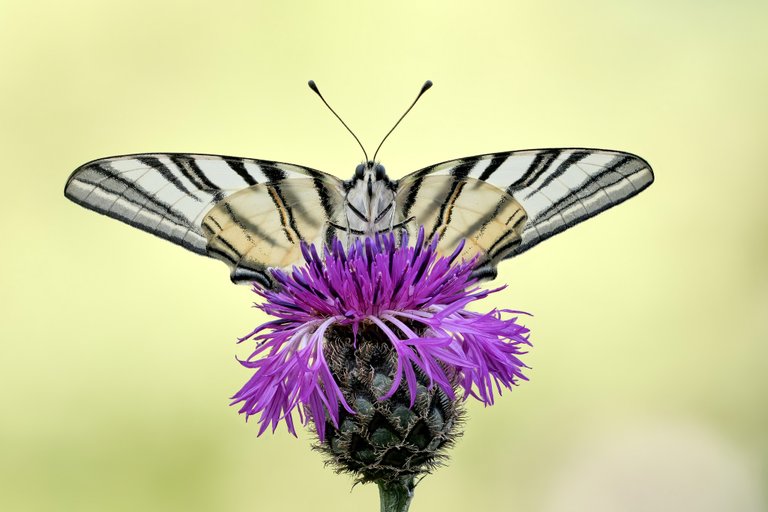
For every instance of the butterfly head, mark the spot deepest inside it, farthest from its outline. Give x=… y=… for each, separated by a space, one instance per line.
x=370 y=168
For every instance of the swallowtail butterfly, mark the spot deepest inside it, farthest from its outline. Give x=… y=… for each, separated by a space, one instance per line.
x=252 y=214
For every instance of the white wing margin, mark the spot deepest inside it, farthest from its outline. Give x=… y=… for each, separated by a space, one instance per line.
x=555 y=188
x=171 y=194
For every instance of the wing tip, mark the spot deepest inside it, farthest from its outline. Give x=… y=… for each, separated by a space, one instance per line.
x=645 y=170
x=68 y=191
x=645 y=173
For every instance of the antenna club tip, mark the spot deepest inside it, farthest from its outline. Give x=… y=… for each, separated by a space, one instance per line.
x=312 y=85
x=426 y=85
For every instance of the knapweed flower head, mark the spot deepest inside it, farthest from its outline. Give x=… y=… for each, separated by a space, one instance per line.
x=413 y=298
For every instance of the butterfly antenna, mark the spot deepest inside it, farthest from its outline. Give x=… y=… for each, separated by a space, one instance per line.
x=424 y=88
x=313 y=86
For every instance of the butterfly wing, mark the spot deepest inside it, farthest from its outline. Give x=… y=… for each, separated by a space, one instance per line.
x=248 y=213
x=503 y=204
x=262 y=226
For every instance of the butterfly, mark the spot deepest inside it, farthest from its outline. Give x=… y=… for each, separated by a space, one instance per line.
x=253 y=214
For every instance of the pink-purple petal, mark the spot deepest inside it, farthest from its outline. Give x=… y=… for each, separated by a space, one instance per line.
x=397 y=287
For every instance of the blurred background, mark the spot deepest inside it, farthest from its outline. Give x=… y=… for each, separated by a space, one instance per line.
x=648 y=383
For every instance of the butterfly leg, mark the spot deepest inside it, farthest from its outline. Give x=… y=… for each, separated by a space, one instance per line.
x=396 y=226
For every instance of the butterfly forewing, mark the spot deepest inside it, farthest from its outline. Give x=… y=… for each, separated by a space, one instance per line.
x=554 y=188
x=171 y=194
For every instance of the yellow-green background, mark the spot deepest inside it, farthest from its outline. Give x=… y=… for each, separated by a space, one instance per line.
x=648 y=387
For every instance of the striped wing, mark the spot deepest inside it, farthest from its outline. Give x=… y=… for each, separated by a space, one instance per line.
x=248 y=213
x=505 y=203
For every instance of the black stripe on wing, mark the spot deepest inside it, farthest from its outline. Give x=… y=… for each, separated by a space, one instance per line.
x=239 y=167
x=541 y=163
x=449 y=198
x=495 y=163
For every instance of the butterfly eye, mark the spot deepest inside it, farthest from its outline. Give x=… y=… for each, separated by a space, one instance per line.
x=380 y=172
x=359 y=171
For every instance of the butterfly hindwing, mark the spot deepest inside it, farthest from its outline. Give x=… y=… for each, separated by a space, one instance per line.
x=172 y=194
x=505 y=203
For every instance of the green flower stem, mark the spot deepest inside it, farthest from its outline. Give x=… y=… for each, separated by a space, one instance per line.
x=396 y=496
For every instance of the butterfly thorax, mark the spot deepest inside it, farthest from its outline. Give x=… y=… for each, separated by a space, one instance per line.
x=370 y=197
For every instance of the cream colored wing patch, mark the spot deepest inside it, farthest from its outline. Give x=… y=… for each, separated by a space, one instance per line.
x=262 y=226
x=451 y=209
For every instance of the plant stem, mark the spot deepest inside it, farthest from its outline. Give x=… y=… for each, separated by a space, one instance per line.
x=396 y=496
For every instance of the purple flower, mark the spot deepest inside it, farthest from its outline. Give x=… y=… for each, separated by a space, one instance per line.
x=417 y=298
